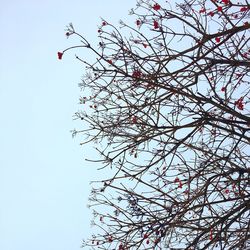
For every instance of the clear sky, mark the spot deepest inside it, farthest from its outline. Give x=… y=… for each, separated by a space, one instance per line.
x=44 y=180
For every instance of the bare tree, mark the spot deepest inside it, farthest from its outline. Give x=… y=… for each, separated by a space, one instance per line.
x=167 y=105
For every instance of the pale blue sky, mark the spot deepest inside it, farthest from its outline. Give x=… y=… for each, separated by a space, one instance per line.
x=44 y=180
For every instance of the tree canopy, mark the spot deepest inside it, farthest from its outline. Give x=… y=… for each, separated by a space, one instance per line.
x=166 y=102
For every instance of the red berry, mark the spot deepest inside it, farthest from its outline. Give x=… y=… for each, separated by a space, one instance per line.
x=242 y=9
x=156 y=24
x=217 y=39
x=176 y=179
x=219 y=8
x=203 y=10
x=156 y=7
x=59 y=55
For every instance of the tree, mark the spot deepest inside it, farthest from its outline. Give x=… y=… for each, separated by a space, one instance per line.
x=169 y=112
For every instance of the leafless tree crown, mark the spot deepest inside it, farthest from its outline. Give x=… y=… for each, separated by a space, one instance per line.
x=166 y=102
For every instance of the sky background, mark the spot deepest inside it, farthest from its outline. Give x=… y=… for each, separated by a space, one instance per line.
x=44 y=180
